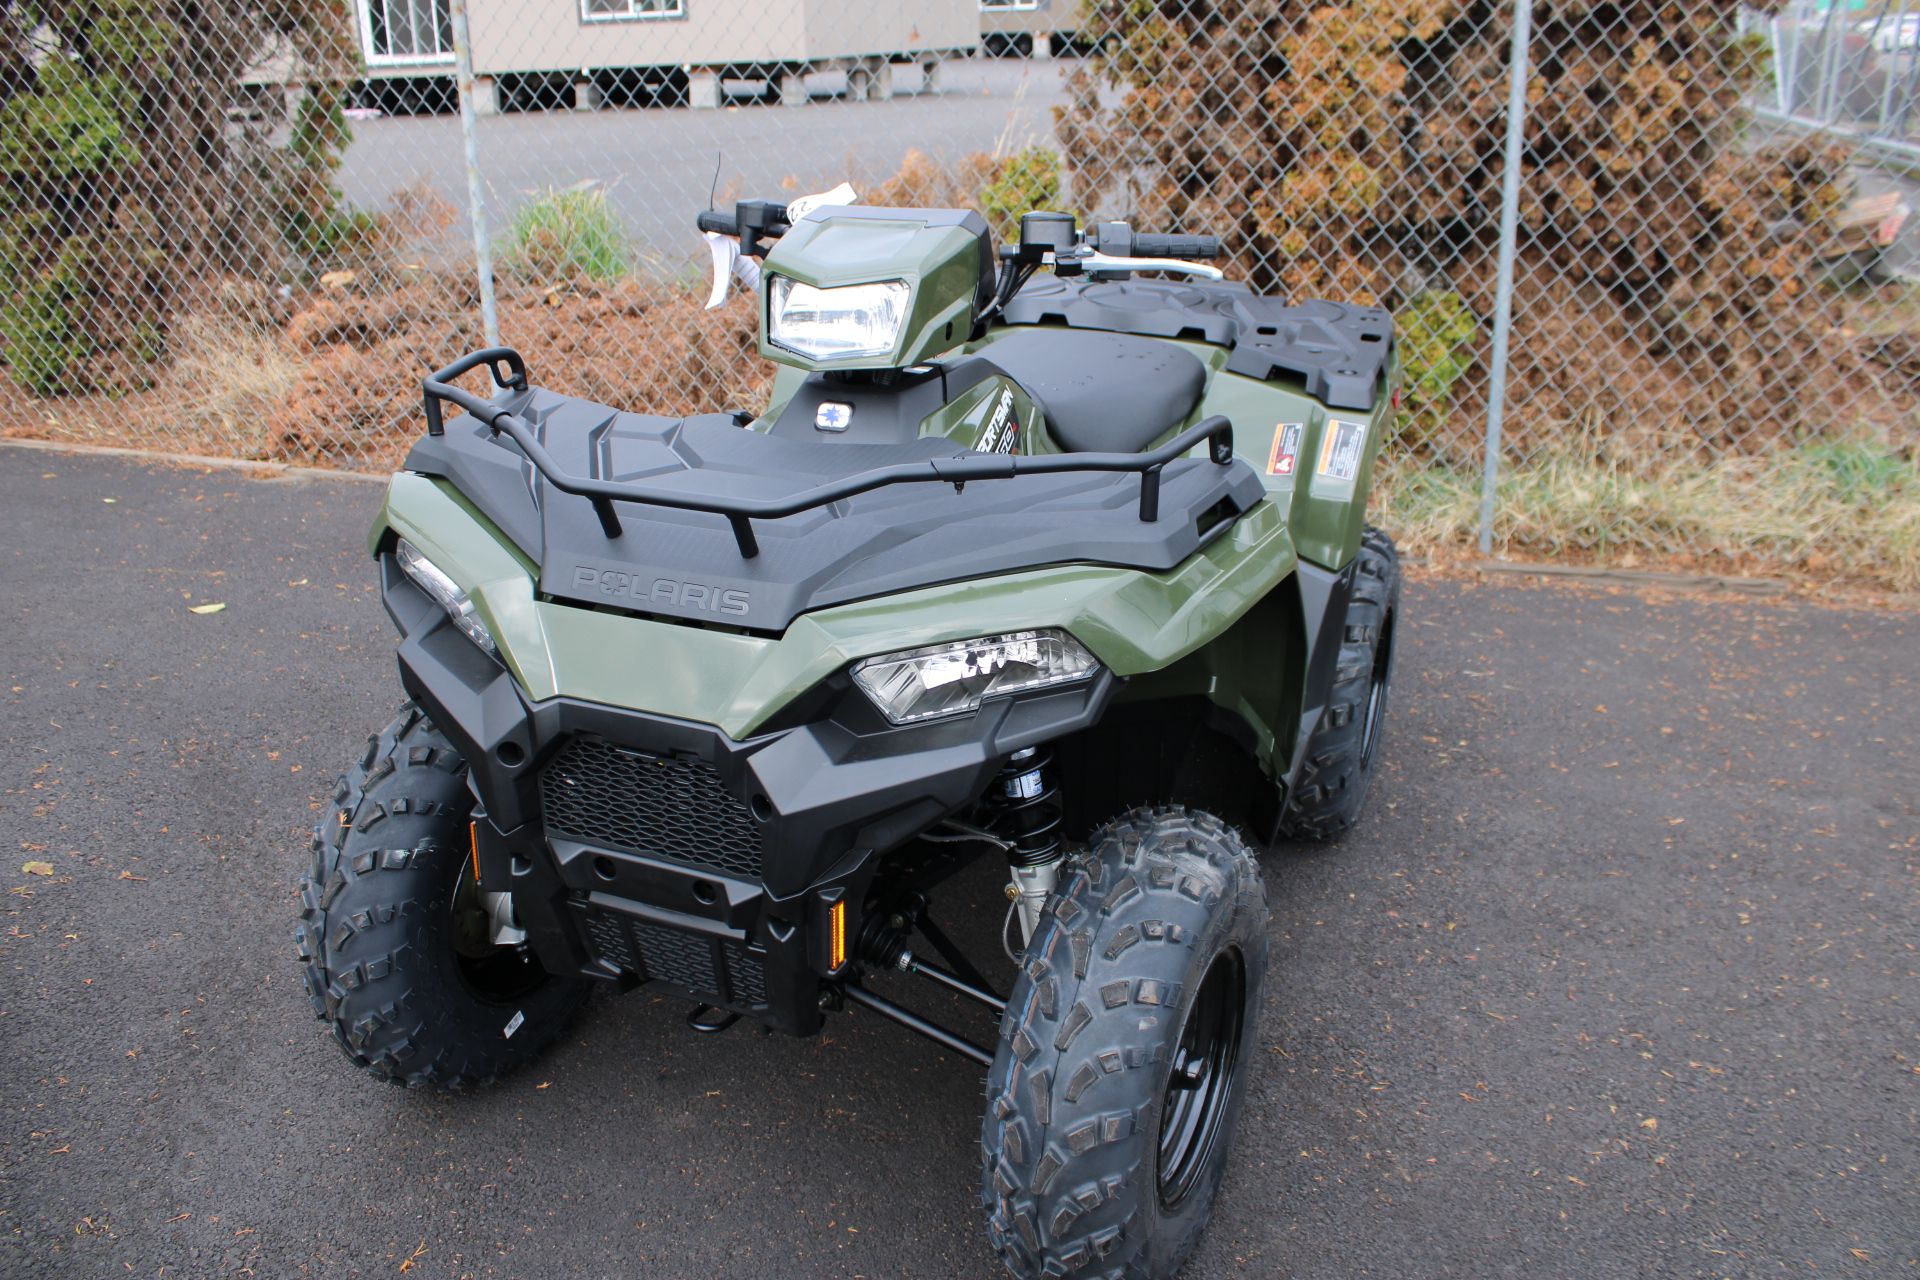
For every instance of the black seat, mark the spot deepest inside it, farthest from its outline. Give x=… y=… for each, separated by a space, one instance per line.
x=1102 y=392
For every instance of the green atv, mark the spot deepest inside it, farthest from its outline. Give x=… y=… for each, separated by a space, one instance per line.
x=1030 y=559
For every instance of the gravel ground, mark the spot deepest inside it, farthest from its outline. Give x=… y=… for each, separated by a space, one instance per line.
x=1617 y=979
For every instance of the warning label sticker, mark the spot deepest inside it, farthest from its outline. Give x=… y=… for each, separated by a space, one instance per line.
x=1340 y=449
x=1285 y=454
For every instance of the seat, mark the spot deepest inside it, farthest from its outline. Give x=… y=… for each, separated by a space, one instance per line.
x=1102 y=392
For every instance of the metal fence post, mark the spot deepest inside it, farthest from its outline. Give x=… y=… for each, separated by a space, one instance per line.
x=476 y=190
x=1509 y=237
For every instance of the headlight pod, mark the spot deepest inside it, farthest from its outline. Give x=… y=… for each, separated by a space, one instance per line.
x=947 y=679
x=429 y=578
x=832 y=324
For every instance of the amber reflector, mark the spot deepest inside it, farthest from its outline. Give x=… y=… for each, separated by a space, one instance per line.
x=837 y=934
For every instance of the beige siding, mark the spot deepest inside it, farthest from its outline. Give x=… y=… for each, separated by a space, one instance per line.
x=1048 y=16
x=550 y=35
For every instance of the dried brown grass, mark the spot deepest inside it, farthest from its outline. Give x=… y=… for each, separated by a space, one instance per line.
x=637 y=345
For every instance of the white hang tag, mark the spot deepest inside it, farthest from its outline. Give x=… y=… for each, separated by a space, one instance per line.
x=842 y=194
x=747 y=271
x=727 y=259
x=726 y=252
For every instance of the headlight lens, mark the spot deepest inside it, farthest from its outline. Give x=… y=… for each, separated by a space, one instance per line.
x=429 y=578
x=828 y=324
x=945 y=679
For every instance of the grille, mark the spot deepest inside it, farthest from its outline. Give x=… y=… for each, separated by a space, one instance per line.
x=672 y=807
x=726 y=972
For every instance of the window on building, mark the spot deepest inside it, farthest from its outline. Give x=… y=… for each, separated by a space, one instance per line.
x=407 y=30
x=624 y=10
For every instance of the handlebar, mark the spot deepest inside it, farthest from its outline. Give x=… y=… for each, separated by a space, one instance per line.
x=751 y=220
x=1189 y=247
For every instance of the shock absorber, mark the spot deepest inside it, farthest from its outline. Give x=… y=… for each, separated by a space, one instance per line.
x=1030 y=816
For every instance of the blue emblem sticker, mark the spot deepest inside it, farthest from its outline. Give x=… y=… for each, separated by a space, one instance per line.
x=832 y=416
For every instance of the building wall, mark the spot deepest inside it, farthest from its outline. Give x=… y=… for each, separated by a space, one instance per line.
x=1047 y=15
x=551 y=35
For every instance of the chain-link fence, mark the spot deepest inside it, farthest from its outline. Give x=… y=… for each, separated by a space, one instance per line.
x=247 y=228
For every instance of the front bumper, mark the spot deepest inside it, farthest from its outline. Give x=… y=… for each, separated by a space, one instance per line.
x=757 y=837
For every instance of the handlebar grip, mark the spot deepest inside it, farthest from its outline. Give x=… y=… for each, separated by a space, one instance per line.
x=1190 y=247
x=719 y=223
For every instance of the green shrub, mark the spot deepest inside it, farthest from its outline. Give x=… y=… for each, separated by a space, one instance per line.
x=571 y=234
x=1019 y=183
x=1437 y=329
x=70 y=127
x=314 y=220
x=41 y=345
x=126 y=191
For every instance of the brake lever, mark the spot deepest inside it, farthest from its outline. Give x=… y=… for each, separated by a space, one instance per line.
x=1094 y=260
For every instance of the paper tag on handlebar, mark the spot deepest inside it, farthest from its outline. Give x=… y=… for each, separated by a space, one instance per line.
x=728 y=262
x=726 y=249
x=842 y=194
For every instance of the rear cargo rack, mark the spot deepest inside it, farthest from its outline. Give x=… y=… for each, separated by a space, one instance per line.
x=509 y=372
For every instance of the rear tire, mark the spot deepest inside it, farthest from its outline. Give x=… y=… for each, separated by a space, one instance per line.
x=1148 y=960
x=1345 y=746
x=410 y=986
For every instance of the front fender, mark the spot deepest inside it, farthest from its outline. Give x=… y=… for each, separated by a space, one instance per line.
x=1134 y=622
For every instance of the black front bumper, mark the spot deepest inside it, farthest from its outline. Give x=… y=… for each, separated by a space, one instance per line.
x=671 y=890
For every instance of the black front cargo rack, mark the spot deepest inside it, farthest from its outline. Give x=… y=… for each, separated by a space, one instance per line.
x=509 y=372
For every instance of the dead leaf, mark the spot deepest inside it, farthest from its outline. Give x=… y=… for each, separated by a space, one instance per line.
x=128 y=875
x=1861 y=1254
x=337 y=279
x=419 y=1251
x=1651 y=1124
x=37 y=868
x=205 y=608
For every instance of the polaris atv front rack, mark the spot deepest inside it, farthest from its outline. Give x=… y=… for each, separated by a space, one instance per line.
x=509 y=372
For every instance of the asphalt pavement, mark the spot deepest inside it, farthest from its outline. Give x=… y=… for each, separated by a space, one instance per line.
x=658 y=164
x=1617 y=979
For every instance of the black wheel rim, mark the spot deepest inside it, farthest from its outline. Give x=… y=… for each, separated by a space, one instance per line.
x=1377 y=694
x=1200 y=1085
x=494 y=973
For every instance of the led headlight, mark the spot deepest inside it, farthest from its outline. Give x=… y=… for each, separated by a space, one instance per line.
x=429 y=578
x=945 y=679
x=828 y=324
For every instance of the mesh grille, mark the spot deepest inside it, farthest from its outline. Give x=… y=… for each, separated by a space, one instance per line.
x=726 y=972
x=670 y=807
x=684 y=959
x=748 y=976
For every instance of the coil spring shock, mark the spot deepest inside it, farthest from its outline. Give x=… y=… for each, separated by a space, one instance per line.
x=1030 y=817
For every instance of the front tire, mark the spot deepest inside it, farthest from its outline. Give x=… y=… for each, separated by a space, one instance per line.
x=396 y=963
x=1112 y=1100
